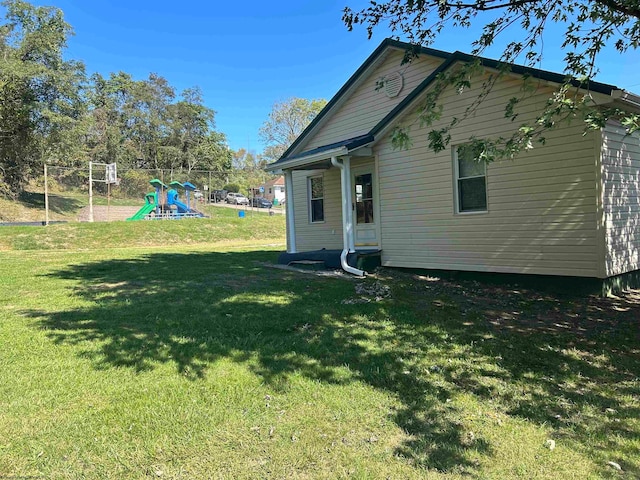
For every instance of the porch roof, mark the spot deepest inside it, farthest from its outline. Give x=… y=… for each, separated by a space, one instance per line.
x=318 y=157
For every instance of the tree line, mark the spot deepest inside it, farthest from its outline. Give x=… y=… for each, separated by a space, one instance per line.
x=51 y=111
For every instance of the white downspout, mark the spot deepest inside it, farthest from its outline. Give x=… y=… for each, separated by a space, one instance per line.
x=347 y=218
x=291 y=222
x=346 y=163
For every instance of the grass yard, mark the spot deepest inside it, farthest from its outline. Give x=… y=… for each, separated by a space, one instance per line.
x=29 y=206
x=169 y=350
x=224 y=227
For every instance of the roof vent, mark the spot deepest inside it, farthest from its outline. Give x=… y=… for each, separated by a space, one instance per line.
x=393 y=84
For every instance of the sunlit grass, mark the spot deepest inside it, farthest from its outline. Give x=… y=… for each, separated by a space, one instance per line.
x=223 y=227
x=188 y=359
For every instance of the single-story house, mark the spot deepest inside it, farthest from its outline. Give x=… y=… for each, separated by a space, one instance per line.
x=274 y=189
x=570 y=207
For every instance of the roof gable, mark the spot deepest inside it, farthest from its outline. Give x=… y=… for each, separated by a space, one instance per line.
x=305 y=145
x=278 y=181
x=388 y=54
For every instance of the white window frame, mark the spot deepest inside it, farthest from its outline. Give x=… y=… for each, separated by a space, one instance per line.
x=456 y=178
x=310 y=199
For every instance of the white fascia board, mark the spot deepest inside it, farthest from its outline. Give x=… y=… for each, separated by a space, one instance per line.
x=626 y=97
x=363 y=151
x=306 y=160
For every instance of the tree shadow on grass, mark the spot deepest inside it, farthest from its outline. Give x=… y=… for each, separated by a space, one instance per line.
x=57 y=204
x=568 y=362
x=190 y=310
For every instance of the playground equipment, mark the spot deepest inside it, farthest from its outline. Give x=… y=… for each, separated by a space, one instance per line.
x=164 y=203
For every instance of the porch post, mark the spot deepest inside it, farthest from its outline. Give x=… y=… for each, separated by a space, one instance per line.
x=347 y=216
x=348 y=200
x=344 y=164
x=289 y=210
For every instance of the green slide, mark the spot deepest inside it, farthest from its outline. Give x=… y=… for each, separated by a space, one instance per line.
x=143 y=212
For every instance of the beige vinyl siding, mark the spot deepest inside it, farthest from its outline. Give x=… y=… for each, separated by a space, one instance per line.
x=327 y=234
x=366 y=106
x=542 y=207
x=621 y=199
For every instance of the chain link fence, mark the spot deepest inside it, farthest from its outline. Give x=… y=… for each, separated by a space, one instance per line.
x=132 y=185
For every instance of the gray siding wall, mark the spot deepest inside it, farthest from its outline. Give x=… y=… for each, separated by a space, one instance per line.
x=621 y=199
x=542 y=207
x=366 y=106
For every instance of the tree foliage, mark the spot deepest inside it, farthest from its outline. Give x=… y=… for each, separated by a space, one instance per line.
x=286 y=122
x=520 y=25
x=50 y=112
x=248 y=170
x=41 y=105
x=144 y=124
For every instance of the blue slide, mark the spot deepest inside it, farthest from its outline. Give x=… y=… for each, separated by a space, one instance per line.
x=182 y=208
x=172 y=199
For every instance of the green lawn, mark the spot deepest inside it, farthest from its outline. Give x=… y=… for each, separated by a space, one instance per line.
x=126 y=355
x=63 y=206
x=223 y=227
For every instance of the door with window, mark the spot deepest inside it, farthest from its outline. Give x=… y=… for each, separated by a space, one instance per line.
x=365 y=210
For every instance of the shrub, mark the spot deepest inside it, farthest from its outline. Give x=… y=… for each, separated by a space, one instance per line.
x=232 y=187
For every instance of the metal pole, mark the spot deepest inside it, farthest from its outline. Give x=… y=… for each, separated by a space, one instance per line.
x=90 y=191
x=210 y=189
x=162 y=189
x=108 y=199
x=46 y=197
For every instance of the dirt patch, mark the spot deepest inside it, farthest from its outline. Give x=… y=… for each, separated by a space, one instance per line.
x=514 y=308
x=107 y=214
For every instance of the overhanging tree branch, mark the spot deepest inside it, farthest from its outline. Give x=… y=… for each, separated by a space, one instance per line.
x=625 y=8
x=589 y=26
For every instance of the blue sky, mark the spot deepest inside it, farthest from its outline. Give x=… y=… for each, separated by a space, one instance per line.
x=247 y=55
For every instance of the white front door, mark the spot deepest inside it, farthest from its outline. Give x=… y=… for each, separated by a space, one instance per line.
x=365 y=210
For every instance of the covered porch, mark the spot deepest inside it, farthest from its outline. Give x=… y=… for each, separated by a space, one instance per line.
x=332 y=207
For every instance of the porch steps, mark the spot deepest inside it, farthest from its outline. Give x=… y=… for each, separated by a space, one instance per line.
x=367 y=260
x=308 y=264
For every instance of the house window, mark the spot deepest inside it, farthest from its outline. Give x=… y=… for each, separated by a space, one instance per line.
x=316 y=199
x=364 y=198
x=471 y=180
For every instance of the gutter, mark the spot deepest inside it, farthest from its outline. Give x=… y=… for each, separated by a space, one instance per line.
x=626 y=97
x=298 y=162
x=347 y=217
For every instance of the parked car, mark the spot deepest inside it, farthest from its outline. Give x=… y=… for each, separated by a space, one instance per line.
x=197 y=194
x=218 y=196
x=237 y=199
x=261 y=202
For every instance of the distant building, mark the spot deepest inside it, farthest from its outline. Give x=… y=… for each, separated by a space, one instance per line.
x=274 y=189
